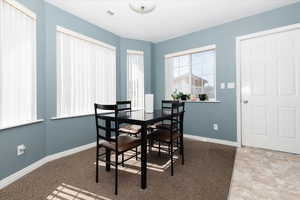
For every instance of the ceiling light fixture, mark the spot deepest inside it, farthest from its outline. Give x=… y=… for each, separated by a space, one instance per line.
x=142 y=6
x=110 y=12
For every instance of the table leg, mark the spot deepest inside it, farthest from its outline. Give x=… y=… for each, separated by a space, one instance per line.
x=181 y=140
x=144 y=157
x=107 y=152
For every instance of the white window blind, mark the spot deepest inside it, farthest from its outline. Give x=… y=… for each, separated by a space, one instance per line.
x=17 y=64
x=135 y=78
x=191 y=72
x=86 y=73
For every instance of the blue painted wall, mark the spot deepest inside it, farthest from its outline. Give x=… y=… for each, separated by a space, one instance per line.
x=33 y=136
x=128 y=44
x=68 y=133
x=201 y=116
x=54 y=136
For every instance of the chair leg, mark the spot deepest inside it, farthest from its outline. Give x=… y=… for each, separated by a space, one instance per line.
x=159 y=148
x=116 y=175
x=171 y=153
x=150 y=145
x=97 y=165
x=136 y=150
x=182 y=150
x=123 y=160
x=136 y=153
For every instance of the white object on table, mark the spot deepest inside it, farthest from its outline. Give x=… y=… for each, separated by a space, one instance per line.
x=149 y=103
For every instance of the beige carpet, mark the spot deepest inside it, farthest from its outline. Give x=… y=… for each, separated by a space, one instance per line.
x=206 y=175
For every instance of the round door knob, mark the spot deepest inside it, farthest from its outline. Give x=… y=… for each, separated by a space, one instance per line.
x=245 y=101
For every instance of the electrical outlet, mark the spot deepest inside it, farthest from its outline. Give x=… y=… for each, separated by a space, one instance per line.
x=216 y=127
x=21 y=149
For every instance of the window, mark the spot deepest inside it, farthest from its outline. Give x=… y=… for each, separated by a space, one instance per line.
x=135 y=78
x=17 y=64
x=86 y=73
x=191 y=72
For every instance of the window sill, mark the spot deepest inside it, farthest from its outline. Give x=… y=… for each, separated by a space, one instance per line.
x=210 y=101
x=71 y=116
x=21 y=124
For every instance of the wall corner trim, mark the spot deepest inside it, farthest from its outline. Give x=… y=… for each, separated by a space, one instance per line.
x=212 y=140
x=19 y=174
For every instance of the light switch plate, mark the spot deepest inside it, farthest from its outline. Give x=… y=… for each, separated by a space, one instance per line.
x=216 y=127
x=222 y=86
x=230 y=85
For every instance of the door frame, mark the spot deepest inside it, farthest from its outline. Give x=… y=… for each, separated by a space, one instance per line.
x=239 y=39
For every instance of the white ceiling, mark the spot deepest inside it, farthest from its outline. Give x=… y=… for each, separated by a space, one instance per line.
x=171 y=18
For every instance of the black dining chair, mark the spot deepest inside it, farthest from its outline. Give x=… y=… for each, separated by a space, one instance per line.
x=173 y=133
x=166 y=106
x=119 y=144
x=131 y=129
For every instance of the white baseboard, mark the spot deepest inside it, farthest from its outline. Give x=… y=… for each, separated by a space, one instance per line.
x=16 y=176
x=70 y=152
x=19 y=174
x=212 y=140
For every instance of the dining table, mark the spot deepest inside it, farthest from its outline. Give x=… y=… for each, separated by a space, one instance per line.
x=143 y=119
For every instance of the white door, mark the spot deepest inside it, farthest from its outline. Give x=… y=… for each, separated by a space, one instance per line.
x=270 y=90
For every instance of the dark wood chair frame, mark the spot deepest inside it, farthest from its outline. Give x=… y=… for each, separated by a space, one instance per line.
x=176 y=126
x=166 y=106
x=128 y=108
x=107 y=129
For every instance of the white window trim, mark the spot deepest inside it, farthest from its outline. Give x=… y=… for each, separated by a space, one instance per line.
x=193 y=51
x=134 y=52
x=21 y=8
x=83 y=37
x=21 y=124
x=72 y=116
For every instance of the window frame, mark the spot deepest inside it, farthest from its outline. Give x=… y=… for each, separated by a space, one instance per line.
x=190 y=52
x=136 y=52
x=28 y=13
x=79 y=36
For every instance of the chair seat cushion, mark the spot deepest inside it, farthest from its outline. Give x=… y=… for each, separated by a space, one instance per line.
x=164 y=135
x=125 y=143
x=131 y=129
x=163 y=126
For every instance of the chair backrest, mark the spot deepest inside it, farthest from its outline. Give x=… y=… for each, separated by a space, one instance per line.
x=177 y=112
x=167 y=104
x=124 y=106
x=100 y=121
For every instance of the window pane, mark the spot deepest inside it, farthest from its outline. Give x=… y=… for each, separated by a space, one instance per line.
x=181 y=75
x=191 y=74
x=209 y=87
x=86 y=74
x=203 y=73
x=184 y=60
x=182 y=83
x=176 y=61
x=135 y=79
x=17 y=66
